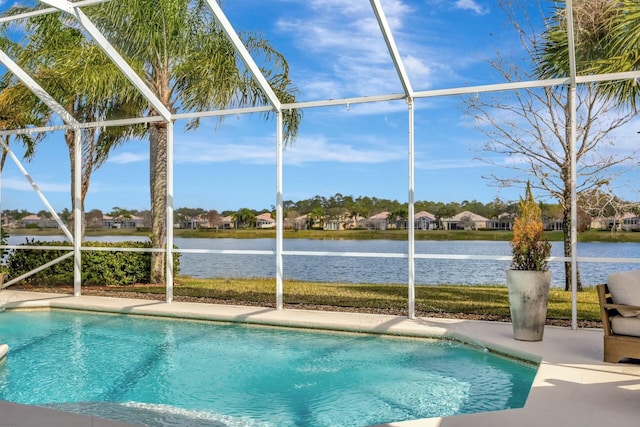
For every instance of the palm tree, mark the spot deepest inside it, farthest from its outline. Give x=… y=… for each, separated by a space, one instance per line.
x=244 y=218
x=398 y=217
x=607 y=36
x=13 y=116
x=75 y=72
x=316 y=217
x=183 y=55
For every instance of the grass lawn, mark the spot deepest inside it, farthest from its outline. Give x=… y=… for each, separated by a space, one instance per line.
x=487 y=302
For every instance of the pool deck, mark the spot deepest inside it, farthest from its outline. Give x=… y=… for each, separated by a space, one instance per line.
x=573 y=387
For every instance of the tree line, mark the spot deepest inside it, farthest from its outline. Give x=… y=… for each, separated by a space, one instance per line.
x=593 y=204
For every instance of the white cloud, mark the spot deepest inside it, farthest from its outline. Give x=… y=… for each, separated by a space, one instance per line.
x=305 y=150
x=444 y=164
x=129 y=157
x=471 y=5
x=21 y=184
x=417 y=68
x=345 y=34
x=318 y=149
x=196 y=151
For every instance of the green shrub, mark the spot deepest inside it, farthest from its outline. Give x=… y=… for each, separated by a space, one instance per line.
x=98 y=267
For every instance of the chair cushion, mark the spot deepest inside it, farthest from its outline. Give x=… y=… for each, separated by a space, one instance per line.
x=626 y=325
x=625 y=289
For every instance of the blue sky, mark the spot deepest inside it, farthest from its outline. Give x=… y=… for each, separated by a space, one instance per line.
x=335 y=50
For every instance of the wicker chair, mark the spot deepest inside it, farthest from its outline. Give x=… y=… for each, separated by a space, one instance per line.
x=618 y=346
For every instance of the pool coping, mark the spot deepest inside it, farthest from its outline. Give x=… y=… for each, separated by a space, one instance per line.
x=573 y=385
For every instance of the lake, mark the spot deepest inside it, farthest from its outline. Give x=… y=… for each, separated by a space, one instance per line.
x=377 y=269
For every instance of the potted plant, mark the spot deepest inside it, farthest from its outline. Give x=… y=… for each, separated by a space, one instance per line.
x=529 y=279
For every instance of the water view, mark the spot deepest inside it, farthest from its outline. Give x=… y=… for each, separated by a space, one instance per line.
x=377 y=269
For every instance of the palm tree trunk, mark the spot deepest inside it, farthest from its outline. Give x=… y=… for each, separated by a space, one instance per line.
x=70 y=140
x=158 y=190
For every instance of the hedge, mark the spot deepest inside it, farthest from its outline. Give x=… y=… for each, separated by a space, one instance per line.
x=98 y=267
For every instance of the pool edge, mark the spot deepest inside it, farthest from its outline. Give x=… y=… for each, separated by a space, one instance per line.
x=571 y=361
x=319 y=320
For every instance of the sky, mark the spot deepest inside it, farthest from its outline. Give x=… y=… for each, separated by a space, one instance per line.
x=335 y=50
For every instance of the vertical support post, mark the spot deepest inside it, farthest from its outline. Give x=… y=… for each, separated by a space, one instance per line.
x=77 y=211
x=279 y=216
x=573 y=159
x=411 y=219
x=574 y=211
x=169 y=214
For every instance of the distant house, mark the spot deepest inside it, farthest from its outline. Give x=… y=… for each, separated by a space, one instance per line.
x=465 y=221
x=423 y=220
x=342 y=221
x=200 y=221
x=503 y=222
x=612 y=222
x=227 y=222
x=30 y=220
x=553 y=224
x=629 y=222
x=121 y=222
x=37 y=221
x=379 y=221
x=298 y=223
x=356 y=222
x=264 y=220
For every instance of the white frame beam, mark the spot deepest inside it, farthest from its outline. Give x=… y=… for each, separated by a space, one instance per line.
x=279 y=216
x=244 y=53
x=394 y=53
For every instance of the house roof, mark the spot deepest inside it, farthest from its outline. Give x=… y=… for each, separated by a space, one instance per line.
x=266 y=217
x=425 y=214
x=474 y=217
x=381 y=215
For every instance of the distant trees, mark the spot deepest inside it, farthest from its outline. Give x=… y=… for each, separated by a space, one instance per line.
x=591 y=204
x=398 y=217
x=316 y=218
x=118 y=212
x=244 y=218
x=15 y=214
x=186 y=214
x=94 y=218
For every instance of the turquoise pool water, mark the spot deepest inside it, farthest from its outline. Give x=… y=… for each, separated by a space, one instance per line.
x=164 y=372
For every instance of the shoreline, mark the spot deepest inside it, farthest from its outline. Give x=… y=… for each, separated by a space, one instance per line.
x=486 y=235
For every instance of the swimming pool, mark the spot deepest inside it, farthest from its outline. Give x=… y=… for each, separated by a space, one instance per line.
x=163 y=372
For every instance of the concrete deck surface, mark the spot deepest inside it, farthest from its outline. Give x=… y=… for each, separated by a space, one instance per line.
x=573 y=386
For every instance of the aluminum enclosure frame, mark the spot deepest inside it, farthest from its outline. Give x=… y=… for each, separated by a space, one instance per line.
x=74 y=9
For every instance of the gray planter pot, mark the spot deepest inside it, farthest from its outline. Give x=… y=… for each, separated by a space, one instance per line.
x=528 y=298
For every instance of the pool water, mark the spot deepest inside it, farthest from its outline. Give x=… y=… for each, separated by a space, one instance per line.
x=168 y=372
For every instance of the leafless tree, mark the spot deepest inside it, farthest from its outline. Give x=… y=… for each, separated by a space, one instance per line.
x=215 y=219
x=528 y=131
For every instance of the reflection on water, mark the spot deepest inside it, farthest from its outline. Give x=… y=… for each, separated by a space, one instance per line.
x=376 y=270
